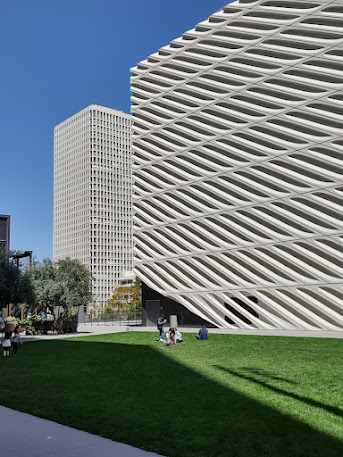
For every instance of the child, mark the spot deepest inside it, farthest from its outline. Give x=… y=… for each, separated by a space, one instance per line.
x=6 y=344
x=15 y=340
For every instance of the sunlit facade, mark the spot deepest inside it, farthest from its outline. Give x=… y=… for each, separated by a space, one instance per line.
x=92 y=195
x=238 y=159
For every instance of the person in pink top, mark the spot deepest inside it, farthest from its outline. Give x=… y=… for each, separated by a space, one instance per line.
x=171 y=338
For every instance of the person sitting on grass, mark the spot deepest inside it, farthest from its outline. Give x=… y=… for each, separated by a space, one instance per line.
x=171 y=339
x=203 y=333
x=178 y=336
x=6 y=344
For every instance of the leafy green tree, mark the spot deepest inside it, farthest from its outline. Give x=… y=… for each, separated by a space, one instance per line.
x=15 y=285
x=76 y=281
x=48 y=290
x=63 y=285
x=136 y=298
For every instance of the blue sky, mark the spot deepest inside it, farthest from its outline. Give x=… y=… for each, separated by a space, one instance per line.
x=57 y=58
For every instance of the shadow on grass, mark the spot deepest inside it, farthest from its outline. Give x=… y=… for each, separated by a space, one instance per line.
x=330 y=409
x=138 y=395
x=265 y=374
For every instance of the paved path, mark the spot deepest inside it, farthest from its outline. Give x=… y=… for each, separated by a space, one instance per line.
x=23 y=435
x=84 y=330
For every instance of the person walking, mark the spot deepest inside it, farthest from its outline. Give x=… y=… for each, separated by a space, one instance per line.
x=15 y=340
x=160 y=322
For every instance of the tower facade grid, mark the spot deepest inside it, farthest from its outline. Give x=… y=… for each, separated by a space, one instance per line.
x=238 y=156
x=92 y=195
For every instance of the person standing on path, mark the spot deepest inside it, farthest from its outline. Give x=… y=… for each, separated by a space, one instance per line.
x=160 y=322
x=15 y=340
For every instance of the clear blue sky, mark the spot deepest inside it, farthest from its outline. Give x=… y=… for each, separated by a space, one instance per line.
x=56 y=59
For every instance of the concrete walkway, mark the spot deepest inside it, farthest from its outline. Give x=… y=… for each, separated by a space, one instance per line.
x=23 y=435
x=85 y=330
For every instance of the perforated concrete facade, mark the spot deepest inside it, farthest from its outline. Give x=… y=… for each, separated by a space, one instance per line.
x=92 y=195
x=238 y=155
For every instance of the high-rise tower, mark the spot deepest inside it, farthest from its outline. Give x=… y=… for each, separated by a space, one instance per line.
x=92 y=195
x=238 y=157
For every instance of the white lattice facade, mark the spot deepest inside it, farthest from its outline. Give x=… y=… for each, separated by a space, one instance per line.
x=92 y=195
x=238 y=166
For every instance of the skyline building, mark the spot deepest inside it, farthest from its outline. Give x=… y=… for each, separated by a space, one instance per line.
x=92 y=195
x=238 y=159
x=4 y=235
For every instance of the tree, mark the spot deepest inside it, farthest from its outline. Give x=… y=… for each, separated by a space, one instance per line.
x=136 y=298
x=76 y=281
x=121 y=298
x=64 y=285
x=126 y=298
x=15 y=285
x=48 y=291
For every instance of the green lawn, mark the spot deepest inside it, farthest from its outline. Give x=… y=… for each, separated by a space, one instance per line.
x=230 y=396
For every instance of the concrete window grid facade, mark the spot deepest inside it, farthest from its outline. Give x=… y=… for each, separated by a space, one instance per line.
x=238 y=155
x=92 y=195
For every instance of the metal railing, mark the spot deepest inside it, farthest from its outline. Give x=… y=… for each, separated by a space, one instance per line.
x=117 y=318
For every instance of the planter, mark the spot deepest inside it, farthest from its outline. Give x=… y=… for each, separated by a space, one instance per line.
x=9 y=328
x=48 y=326
x=21 y=327
x=38 y=325
x=67 y=327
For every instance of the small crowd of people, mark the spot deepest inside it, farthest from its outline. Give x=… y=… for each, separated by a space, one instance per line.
x=173 y=336
x=10 y=340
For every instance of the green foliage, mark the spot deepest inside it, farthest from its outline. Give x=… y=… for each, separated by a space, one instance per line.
x=36 y=323
x=136 y=298
x=67 y=283
x=108 y=315
x=70 y=314
x=63 y=285
x=48 y=290
x=126 y=298
x=15 y=285
x=11 y=320
x=76 y=281
x=29 y=328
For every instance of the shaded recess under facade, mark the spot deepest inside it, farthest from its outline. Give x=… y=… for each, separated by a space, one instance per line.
x=154 y=304
x=238 y=158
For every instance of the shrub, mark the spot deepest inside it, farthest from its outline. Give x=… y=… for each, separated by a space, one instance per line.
x=30 y=330
x=11 y=320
